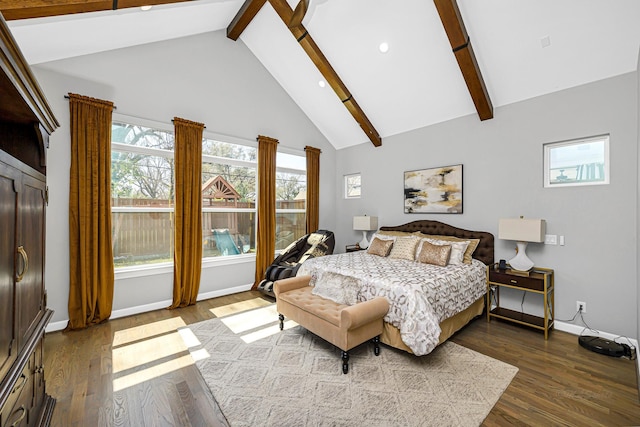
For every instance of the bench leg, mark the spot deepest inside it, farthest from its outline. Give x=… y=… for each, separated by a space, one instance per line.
x=281 y=317
x=376 y=345
x=345 y=362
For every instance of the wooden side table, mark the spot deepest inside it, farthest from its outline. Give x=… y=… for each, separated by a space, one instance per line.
x=539 y=281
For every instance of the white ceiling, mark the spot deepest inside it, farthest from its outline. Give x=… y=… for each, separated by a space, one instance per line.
x=415 y=84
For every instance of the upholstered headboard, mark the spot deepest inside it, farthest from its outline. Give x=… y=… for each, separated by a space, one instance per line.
x=484 y=251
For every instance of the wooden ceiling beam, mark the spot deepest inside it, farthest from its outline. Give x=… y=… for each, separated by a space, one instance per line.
x=307 y=43
x=245 y=15
x=459 y=39
x=26 y=9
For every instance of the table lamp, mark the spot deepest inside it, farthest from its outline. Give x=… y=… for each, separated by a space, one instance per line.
x=522 y=231
x=365 y=224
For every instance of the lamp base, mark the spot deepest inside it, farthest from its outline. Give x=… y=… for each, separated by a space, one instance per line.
x=521 y=261
x=364 y=243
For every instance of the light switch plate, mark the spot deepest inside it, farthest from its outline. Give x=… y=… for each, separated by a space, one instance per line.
x=550 y=239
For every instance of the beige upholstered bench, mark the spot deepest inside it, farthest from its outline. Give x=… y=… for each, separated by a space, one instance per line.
x=345 y=326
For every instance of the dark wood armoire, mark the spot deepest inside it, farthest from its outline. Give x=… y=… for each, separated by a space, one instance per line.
x=26 y=121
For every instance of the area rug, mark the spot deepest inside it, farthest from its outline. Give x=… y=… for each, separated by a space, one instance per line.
x=294 y=378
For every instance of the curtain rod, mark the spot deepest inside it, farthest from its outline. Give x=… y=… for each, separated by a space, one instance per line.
x=114 y=107
x=185 y=119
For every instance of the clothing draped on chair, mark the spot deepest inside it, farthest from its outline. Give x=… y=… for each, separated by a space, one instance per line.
x=187 y=254
x=266 y=245
x=91 y=274
x=313 y=188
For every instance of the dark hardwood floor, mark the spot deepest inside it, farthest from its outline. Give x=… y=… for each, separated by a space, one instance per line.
x=137 y=371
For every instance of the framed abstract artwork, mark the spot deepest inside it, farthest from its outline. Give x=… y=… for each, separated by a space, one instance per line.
x=435 y=190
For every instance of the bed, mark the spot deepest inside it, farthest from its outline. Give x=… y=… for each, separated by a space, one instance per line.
x=428 y=303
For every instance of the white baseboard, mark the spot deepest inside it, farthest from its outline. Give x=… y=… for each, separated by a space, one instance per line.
x=581 y=330
x=130 y=311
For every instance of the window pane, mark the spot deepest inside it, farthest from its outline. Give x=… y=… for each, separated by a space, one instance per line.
x=141 y=180
x=352 y=186
x=142 y=238
x=141 y=136
x=228 y=233
x=226 y=185
x=581 y=162
x=228 y=150
x=291 y=191
x=289 y=227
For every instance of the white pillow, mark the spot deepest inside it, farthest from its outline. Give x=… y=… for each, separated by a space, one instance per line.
x=457 y=250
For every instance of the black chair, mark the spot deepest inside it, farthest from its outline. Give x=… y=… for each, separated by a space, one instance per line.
x=312 y=245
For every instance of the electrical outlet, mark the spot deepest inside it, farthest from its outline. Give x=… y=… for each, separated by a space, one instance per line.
x=550 y=239
x=581 y=306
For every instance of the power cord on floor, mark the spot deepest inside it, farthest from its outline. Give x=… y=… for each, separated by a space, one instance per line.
x=629 y=349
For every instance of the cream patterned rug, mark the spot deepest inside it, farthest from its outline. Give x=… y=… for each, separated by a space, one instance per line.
x=294 y=378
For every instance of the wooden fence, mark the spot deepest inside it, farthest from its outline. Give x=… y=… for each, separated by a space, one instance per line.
x=144 y=237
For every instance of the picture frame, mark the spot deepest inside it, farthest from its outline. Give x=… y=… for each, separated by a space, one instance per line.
x=434 y=190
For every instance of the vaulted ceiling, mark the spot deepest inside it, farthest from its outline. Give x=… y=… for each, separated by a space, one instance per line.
x=519 y=50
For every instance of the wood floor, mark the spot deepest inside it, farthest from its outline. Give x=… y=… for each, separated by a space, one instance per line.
x=137 y=371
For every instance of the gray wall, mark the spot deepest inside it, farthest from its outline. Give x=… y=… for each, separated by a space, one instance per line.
x=206 y=78
x=502 y=163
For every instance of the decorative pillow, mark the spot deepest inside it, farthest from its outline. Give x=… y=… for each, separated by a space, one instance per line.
x=457 y=249
x=405 y=248
x=394 y=234
x=380 y=247
x=338 y=288
x=434 y=254
x=468 y=253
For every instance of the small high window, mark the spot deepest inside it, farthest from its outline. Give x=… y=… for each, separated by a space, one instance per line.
x=577 y=162
x=352 y=184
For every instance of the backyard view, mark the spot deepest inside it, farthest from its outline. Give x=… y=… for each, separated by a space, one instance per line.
x=142 y=191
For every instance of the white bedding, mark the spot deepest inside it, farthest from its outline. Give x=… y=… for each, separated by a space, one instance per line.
x=420 y=295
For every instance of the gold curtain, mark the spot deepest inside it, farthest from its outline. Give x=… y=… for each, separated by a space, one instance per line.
x=313 y=188
x=90 y=253
x=266 y=240
x=187 y=255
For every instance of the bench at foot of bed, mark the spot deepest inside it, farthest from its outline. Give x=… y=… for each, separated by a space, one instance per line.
x=345 y=326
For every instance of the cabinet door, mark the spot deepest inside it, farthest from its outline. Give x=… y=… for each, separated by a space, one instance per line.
x=9 y=180
x=30 y=289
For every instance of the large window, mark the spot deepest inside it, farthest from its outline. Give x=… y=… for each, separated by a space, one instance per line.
x=141 y=195
x=291 y=198
x=228 y=198
x=142 y=180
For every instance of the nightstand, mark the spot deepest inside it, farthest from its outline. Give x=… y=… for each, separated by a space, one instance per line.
x=353 y=248
x=539 y=281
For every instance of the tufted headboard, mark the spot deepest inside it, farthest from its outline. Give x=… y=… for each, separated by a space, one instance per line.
x=484 y=251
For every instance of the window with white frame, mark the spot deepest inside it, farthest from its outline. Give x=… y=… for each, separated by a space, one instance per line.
x=291 y=198
x=141 y=195
x=142 y=191
x=352 y=184
x=228 y=198
x=582 y=161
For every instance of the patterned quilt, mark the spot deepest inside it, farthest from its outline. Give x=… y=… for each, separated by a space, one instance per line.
x=420 y=295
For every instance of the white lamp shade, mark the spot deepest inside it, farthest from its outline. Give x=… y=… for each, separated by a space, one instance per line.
x=522 y=230
x=365 y=223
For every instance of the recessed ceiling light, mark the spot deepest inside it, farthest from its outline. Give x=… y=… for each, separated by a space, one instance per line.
x=384 y=47
x=545 y=41
x=145 y=8
x=321 y=83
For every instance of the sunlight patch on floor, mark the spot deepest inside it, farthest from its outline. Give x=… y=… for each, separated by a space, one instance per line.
x=152 y=372
x=147 y=330
x=241 y=306
x=265 y=332
x=147 y=351
x=252 y=319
